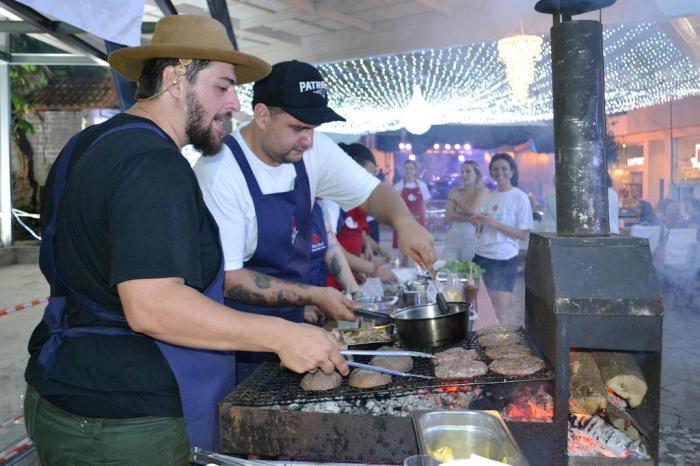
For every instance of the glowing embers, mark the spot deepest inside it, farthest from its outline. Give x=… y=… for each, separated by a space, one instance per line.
x=593 y=436
x=527 y=406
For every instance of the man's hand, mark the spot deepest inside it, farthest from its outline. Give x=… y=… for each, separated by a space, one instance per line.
x=313 y=315
x=334 y=303
x=416 y=242
x=304 y=348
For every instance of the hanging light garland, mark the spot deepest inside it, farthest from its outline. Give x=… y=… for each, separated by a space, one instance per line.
x=520 y=55
x=469 y=84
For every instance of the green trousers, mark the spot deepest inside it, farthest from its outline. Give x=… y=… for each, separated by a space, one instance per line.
x=63 y=439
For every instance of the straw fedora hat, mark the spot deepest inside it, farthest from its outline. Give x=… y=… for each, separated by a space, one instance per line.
x=195 y=37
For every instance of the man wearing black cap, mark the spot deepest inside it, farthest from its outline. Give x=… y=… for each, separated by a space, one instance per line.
x=261 y=187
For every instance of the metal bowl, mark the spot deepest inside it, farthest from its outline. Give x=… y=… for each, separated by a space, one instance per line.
x=426 y=326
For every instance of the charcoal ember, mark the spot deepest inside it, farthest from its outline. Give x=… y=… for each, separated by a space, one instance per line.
x=460 y=369
x=363 y=378
x=506 y=351
x=497 y=329
x=522 y=366
x=397 y=363
x=456 y=353
x=499 y=339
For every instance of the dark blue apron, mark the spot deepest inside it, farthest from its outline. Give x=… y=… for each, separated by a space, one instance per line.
x=283 y=246
x=203 y=377
x=319 y=245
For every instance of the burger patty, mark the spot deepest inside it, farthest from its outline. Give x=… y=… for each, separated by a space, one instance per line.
x=514 y=366
x=454 y=353
x=506 y=351
x=460 y=369
x=499 y=339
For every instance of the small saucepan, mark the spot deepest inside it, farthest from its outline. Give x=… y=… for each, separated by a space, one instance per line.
x=426 y=326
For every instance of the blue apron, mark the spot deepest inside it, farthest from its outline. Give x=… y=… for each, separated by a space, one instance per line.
x=203 y=377
x=283 y=246
x=319 y=245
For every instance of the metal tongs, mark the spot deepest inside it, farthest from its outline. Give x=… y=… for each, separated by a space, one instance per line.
x=370 y=367
x=396 y=353
x=390 y=353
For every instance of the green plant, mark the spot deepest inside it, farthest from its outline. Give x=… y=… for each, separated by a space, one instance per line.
x=465 y=268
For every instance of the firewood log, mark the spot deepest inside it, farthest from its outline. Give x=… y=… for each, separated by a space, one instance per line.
x=622 y=424
x=622 y=374
x=587 y=393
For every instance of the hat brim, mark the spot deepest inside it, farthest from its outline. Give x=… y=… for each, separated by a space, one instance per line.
x=129 y=61
x=313 y=116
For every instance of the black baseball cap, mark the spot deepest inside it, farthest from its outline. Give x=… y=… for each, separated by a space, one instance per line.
x=297 y=88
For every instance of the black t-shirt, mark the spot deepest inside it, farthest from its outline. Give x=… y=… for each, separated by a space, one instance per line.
x=132 y=209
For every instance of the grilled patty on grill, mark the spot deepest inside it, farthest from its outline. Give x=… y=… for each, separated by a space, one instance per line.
x=460 y=369
x=503 y=351
x=318 y=381
x=454 y=353
x=497 y=339
x=363 y=378
x=397 y=363
x=517 y=366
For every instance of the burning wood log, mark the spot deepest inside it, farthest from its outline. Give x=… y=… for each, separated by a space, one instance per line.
x=587 y=392
x=622 y=374
x=592 y=436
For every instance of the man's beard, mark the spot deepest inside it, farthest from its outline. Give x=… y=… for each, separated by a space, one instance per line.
x=201 y=137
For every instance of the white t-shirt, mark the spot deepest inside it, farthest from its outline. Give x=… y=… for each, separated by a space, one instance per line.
x=420 y=183
x=511 y=208
x=332 y=175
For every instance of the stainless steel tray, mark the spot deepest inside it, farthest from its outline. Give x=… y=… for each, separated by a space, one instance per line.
x=447 y=435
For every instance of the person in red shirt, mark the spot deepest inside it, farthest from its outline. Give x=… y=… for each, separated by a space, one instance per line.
x=353 y=235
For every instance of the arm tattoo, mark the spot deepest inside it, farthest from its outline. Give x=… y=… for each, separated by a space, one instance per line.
x=266 y=292
x=335 y=267
x=261 y=281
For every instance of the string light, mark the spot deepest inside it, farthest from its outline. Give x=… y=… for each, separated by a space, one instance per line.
x=417 y=113
x=469 y=85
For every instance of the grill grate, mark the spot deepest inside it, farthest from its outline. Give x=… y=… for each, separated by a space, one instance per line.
x=271 y=384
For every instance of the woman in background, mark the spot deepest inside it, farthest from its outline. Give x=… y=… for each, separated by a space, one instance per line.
x=462 y=204
x=414 y=193
x=505 y=219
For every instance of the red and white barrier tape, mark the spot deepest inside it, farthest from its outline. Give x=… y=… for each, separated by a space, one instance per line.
x=18 y=447
x=14 y=450
x=21 y=307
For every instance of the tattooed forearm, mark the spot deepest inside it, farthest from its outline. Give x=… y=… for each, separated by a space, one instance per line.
x=244 y=295
x=261 y=281
x=263 y=290
x=334 y=267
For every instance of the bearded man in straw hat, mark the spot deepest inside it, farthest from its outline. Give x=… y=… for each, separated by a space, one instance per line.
x=135 y=347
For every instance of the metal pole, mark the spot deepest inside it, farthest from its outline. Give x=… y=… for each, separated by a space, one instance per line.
x=5 y=147
x=579 y=128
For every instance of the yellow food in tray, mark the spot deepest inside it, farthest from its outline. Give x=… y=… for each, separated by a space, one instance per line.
x=443 y=454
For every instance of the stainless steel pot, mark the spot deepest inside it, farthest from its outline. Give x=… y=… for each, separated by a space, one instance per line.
x=425 y=326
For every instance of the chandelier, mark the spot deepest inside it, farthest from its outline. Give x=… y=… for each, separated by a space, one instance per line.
x=520 y=54
x=417 y=119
